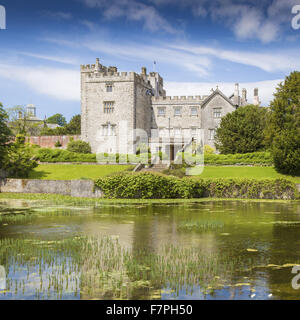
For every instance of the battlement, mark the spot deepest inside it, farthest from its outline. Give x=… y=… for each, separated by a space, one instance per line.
x=177 y=99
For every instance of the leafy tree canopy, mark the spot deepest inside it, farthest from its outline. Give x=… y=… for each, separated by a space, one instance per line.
x=58 y=118
x=283 y=128
x=242 y=130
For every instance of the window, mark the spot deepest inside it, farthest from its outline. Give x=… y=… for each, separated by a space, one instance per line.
x=161 y=131
x=194 y=111
x=108 y=106
x=177 y=111
x=108 y=129
x=177 y=131
x=194 y=131
x=161 y=112
x=212 y=133
x=217 y=113
x=109 y=88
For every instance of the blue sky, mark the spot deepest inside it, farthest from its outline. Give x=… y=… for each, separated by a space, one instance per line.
x=197 y=44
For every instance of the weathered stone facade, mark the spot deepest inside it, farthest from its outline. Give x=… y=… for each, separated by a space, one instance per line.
x=122 y=110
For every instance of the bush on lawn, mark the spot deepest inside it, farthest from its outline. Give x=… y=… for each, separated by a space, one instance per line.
x=147 y=185
x=79 y=147
x=58 y=155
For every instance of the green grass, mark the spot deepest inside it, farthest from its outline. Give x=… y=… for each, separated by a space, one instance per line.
x=59 y=199
x=242 y=172
x=74 y=171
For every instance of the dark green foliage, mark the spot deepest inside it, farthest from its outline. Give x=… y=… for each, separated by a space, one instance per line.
x=149 y=186
x=59 y=155
x=255 y=158
x=74 y=126
x=58 y=144
x=286 y=152
x=242 y=130
x=283 y=129
x=18 y=161
x=157 y=186
x=79 y=147
x=58 y=118
x=5 y=134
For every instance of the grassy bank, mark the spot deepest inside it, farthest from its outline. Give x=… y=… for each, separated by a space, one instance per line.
x=242 y=172
x=85 y=171
x=74 y=171
x=58 y=199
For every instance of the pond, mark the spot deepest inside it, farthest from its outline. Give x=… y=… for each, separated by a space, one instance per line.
x=205 y=250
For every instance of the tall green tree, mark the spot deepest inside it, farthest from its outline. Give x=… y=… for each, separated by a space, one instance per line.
x=5 y=134
x=283 y=128
x=58 y=118
x=242 y=130
x=74 y=126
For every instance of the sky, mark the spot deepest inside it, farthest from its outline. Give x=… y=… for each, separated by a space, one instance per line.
x=197 y=45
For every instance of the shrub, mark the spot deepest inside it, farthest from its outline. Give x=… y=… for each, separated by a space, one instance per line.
x=158 y=186
x=149 y=186
x=79 y=147
x=59 y=155
x=18 y=161
x=58 y=144
x=208 y=149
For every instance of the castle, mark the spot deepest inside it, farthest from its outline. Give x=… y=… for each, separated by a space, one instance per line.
x=122 y=110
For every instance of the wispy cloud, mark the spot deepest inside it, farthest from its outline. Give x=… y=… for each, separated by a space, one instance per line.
x=248 y=19
x=196 y=59
x=266 y=89
x=63 y=60
x=61 y=84
x=133 y=10
x=58 y=15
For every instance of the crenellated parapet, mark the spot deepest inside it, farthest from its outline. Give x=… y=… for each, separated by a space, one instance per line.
x=178 y=99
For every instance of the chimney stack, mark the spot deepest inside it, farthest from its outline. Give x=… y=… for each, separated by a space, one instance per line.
x=236 y=95
x=144 y=71
x=244 y=96
x=256 y=101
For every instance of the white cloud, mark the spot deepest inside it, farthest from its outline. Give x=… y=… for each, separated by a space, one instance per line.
x=268 y=61
x=61 y=84
x=266 y=89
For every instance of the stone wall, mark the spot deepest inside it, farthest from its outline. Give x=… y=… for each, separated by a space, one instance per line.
x=50 y=141
x=73 y=188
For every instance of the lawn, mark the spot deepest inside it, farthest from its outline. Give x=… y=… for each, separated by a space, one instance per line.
x=73 y=171
x=242 y=172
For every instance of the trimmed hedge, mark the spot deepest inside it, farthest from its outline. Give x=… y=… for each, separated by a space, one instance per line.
x=147 y=185
x=59 y=155
x=259 y=158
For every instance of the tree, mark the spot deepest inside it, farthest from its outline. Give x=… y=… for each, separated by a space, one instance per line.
x=18 y=162
x=74 y=126
x=242 y=130
x=283 y=129
x=5 y=134
x=19 y=121
x=58 y=118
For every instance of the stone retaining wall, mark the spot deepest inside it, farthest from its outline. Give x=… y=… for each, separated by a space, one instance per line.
x=73 y=188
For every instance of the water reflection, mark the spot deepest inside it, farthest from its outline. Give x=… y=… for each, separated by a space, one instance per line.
x=209 y=250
